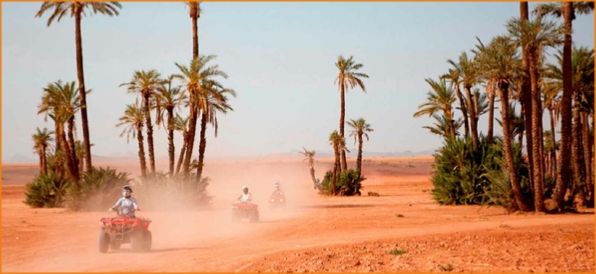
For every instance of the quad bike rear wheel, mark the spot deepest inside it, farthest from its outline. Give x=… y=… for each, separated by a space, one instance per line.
x=104 y=242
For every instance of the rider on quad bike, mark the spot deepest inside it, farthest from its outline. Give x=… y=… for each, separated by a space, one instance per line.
x=277 y=190
x=246 y=196
x=127 y=203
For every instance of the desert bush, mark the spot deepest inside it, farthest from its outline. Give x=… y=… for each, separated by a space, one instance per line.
x=348 y=183
x=462 y=176
x=46 y=191
x=98 y=190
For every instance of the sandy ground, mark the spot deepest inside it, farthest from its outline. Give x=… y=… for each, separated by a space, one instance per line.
x=402 y=230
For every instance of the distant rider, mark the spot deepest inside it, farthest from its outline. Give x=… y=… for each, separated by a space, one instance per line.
x=277 y=190
x=246 y=197
x=127 y=203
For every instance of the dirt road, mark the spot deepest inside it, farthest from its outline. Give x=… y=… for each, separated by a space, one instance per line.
x=314 y=234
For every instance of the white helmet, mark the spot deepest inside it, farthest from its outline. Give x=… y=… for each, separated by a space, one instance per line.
x=244 y=188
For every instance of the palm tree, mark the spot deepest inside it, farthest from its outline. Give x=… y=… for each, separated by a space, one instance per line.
x=535 y=36
x=440 y=98
x=348 y=77
x=147 y=84
x=213 y=100
x=338 y=143
x=310 y=158
x=168 y=98
x=195 y=77
x=195 y=13
x=61 y=102
x=77 y=10
x=359 y=129
x=41 y=141
x=499 y=62
x=454 y=77
x=180 y=124
x=442 y=127
x=567 y=10
x=468 y=73
x=133 y=120
x=525 y=92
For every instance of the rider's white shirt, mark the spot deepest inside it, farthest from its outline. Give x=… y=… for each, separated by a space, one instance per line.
x=246 y=197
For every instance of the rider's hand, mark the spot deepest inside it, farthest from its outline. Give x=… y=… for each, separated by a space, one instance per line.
x=138 y=209
x=111 y=209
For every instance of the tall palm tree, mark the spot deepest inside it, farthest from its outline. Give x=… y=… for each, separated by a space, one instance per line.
x=133 y=120
x=468 y=73
x=348 y=77
x=535 y=36
x=77 y=9
x=309 y=156
x=338 y=143
x=181 y=124
x=567 y=10
x=195 y=13
x=168 y=98
x=194 y=77
x=41 y=142
x=147 y=84
x=454 y=77
x=359 y=129
x=213 y=100
x=440 y=98
x=499 y=62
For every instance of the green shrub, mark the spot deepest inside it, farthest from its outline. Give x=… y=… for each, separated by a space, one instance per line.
x=46 y=191
x=348 y=183
x=98 y=190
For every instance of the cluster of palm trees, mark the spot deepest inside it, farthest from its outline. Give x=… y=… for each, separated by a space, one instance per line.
x=200 y=92
x=565 y=90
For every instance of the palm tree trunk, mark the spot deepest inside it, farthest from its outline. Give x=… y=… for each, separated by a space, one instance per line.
x=472 y=112
x=336 y=170
x=526 y=99
x=149 y=132
x=82 y=90
x=554 y=137
x=565 y=172
x=182 y=153
x=344 y=164
x=359 y=159
x=141 y=153
x=464 y=111
x=41 y=169
x=587 y=154
x=71 y=143
x=577 y=154
x=192 y=129
x=202 y=145
x=44 y=159
x=451 y=123
x=171 y=148
x=515 y=186
x=312 y=176
x=72 y=171
x=537 y=163
x=491 y=114
x=195 y=31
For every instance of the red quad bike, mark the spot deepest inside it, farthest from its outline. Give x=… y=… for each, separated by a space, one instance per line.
x=248 y=211
x=124 y=229
x=277 y=200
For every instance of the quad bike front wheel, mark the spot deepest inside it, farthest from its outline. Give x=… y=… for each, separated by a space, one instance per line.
x=254 y=217
x=104 y=242
x=137 y=241
x=147 y=240
x=115 y=244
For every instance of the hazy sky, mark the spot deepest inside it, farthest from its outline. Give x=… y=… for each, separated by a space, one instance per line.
x=280 y=59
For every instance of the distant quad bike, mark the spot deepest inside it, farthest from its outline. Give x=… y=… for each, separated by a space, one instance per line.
x=242 y=210
x=277 y=200
x=123 y=229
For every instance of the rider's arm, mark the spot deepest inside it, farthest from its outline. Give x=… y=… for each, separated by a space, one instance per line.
x=117 y=204
x=134 y=204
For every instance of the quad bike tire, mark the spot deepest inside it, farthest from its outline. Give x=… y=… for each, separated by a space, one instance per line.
x=137 y=241
x=115 y=245
x=104 y=242
x=147 y=240
x=254 y=217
